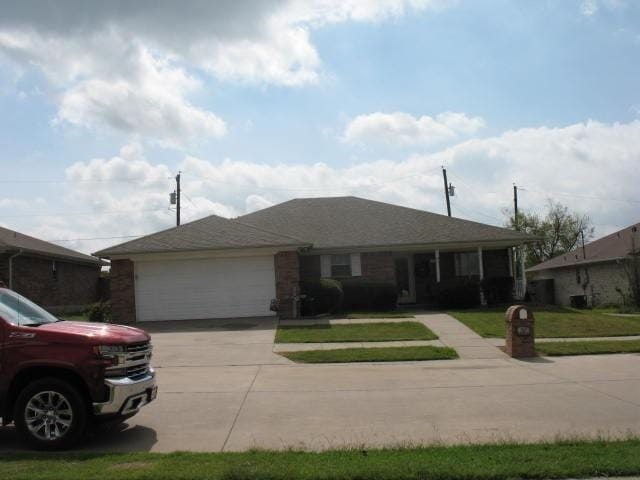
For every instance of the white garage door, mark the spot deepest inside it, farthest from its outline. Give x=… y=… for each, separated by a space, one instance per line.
x=204 y=288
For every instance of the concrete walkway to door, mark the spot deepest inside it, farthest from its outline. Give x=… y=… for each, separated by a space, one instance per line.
x=458 y=336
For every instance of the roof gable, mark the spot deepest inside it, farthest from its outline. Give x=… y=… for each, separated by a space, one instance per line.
x=611 y=247
x=12 y=240
x=209 y=233
x=338 y=222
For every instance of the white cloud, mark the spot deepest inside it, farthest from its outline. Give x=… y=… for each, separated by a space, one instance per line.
x=400 y=128
x=589 y=8
x=150 y=103
x=130 y=65
x=561 y=163
x=256 y=202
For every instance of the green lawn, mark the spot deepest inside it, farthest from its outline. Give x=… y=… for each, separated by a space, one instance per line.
x=552 y=322
x=355 y=332
x=392 y=314
x=588 y=348
x=469 y=462
x=375 y=354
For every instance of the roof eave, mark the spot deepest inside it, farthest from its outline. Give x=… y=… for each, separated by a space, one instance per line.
x=109 y=254
x=541 y=267
x=67 y=258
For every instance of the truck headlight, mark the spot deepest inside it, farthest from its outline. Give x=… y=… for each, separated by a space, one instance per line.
x=110 y=352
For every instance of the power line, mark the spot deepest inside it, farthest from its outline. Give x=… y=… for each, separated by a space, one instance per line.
x=80 y=213
x=97 y=238
x=109 y=180
x=577 y=195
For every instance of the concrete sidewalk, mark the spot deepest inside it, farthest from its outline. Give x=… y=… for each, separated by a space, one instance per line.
x=455 y=334
x=499 y=342
x=221 y=388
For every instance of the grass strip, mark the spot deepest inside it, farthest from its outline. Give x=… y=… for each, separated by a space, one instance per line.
x=552 y=322
x=355 y=332
x=372 y=354
x=467 y=462
x=392 y=314
x=588 y=348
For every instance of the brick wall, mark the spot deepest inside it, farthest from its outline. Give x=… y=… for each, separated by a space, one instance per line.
x=378 y=266
x=287 y=270
x=123 y=297
x=73 y=285
x=603 y=279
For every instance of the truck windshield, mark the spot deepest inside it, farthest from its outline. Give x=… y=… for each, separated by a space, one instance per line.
x=16 y=309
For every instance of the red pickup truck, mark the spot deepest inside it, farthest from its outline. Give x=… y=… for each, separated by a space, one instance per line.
x=57 y=377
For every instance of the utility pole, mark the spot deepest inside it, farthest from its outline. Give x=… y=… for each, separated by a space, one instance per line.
x=446 y=190
x=515 y=207
x=178 y=199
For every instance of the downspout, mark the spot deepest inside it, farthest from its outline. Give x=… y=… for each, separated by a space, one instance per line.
x=11 y=267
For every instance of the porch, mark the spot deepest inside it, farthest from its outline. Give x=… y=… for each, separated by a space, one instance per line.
x=418 y=274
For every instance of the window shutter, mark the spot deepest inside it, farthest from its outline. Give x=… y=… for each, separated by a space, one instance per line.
x=356 y=268
x=325 y=266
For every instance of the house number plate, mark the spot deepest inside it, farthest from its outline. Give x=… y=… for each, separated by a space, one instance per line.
x=523 y=331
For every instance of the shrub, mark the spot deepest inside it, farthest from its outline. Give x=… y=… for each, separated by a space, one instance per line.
x=322 y=296
x=458 y=293
x=498 y=290
x=360 y=294
x=99 y=312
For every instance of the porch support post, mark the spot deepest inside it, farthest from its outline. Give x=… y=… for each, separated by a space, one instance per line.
x=437 y=266
x=510 y=251
x=483 y=301
x=524 y=275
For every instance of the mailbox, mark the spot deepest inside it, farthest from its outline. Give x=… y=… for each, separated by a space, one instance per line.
x=520 y=338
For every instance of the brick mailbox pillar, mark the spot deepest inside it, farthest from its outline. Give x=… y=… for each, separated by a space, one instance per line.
x=520 y=332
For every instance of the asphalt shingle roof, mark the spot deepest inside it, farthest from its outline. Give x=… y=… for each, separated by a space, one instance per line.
x=614 y=246
x=11 y=240
x=335 y=222
x=209 y=233
x=355 y=222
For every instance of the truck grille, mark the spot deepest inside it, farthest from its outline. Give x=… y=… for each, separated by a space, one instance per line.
x=133 y=364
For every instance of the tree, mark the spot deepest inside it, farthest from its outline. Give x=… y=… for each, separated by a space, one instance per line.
x=559 y=230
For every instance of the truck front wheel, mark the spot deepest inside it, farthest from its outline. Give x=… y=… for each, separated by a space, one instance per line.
x=50 y=414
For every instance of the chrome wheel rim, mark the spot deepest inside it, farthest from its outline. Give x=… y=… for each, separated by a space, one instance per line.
x=48 y=415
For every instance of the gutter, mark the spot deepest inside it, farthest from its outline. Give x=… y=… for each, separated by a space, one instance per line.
x=11 y=267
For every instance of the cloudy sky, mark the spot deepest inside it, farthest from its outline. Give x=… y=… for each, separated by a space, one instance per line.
x=257 y=102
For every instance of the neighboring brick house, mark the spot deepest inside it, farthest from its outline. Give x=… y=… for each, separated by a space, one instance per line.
x=55 y=277
x=604 y=271
x=217 y=267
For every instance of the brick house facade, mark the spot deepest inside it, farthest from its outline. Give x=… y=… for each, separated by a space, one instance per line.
x=220 y=268
x=602 y=283
x=56 y=284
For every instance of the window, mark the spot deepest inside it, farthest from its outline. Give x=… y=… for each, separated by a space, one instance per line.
x=54 y=270
x=466 y=264
x=341 y=265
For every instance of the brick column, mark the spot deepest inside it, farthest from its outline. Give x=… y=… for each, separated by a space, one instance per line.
x=123 y=297
x=287 y=269
x=520 y=341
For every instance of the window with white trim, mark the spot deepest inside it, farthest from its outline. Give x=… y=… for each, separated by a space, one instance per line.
x=341 y=265
x=466 y=264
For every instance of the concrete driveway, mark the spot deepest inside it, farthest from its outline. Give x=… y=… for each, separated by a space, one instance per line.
x=223 y=388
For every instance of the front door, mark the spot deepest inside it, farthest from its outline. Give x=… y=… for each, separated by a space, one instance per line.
x=404 y=279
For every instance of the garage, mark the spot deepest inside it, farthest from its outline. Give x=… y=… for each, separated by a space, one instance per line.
x=200 y=288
